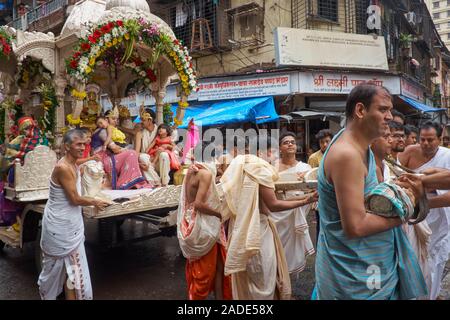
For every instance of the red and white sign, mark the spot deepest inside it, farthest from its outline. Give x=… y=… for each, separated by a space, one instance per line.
x=411 y=90
x=343 y=83
x=222 y=89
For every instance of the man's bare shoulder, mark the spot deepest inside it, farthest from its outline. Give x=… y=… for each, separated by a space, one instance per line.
x=410 y=151
x=204 y=174
x=343 y=152
x=62 y=169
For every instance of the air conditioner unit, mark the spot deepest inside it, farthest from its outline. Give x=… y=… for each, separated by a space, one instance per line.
x=411 y=17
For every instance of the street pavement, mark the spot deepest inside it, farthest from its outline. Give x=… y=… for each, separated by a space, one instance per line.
x=153 y=269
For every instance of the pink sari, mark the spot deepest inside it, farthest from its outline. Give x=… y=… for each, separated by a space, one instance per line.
x=123 y=168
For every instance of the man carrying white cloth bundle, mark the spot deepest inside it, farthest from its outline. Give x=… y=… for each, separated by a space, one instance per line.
x=64 y=263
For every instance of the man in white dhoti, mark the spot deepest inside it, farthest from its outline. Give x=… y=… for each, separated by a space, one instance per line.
x=142 y=141
x=291 y=224
x=419 y=158
x=418 y=234
x=255 y=256
x=64 y=263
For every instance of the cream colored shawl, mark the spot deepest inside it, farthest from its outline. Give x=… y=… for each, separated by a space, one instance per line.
x=240 y=184
x=147 y=139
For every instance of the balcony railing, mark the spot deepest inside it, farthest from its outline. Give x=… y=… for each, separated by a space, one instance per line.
x=38 y=13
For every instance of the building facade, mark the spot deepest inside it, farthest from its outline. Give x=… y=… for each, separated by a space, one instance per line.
x=234 y=43
x=440 y=12
x=245 y=49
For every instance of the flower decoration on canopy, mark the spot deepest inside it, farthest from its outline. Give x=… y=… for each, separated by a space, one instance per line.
x=5 y=44
x=123 y=35
x=50 y=102
x=141 y=69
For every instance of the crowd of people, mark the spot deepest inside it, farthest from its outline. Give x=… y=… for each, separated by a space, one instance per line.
x=360 y=254
x=244 y=240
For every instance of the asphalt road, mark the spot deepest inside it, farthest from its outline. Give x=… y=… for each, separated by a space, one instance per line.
x=153 y=269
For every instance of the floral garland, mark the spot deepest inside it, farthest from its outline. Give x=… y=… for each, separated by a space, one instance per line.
x=79 y=95
x=2 y=123
x=73 y=122
x=124 y=34
x=50 y=103
x=11 y=111
x=167 y=114
x=178 y=122
x=141 y=69
x=5 y=44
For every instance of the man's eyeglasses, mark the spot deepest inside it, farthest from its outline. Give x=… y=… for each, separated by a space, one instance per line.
x=399 y=136
x=285 y=143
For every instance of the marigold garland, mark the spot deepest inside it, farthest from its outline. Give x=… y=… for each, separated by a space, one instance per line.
x=72 y=121
x=79 y=95
x=178 y=122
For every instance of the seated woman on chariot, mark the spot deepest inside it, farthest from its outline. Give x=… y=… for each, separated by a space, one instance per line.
x=121 y=165
x=30 y=136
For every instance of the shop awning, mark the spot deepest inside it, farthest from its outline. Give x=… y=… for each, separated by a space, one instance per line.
x=420 y=106
x=258 y=110
x=313 y=114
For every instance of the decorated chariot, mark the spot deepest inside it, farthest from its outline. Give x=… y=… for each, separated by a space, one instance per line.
x=56 y=82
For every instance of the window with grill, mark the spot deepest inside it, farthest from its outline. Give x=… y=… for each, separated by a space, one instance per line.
x=448 y=13
x=448 y=25
x=448 y=2
x=436 y=4
x=436 y=15
x=328 y=9
x=438 y=26
x=448 y=35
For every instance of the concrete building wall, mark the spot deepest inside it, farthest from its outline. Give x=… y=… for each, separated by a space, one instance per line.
x=440 y=12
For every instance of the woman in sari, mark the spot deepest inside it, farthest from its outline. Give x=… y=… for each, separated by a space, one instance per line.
x=121 y=165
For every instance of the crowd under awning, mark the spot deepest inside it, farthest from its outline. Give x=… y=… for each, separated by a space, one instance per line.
x=257 y=110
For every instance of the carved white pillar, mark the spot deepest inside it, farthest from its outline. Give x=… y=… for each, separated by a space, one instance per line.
x=60 y=87
x=159 y=102
x=77 y=104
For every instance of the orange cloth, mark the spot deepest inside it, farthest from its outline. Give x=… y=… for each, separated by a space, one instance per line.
x=201 y=274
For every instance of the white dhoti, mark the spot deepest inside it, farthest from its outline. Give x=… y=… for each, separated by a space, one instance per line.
x=418 y=236
x=439 y=222
x=150 y=174
x=259 y=280
x=163 y=168
x=292 y=226
x=255 y=256
x=72 y=269
x=62 y=244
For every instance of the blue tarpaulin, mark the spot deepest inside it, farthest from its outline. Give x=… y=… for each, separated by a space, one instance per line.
x=420 y=106
x=258 y=110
